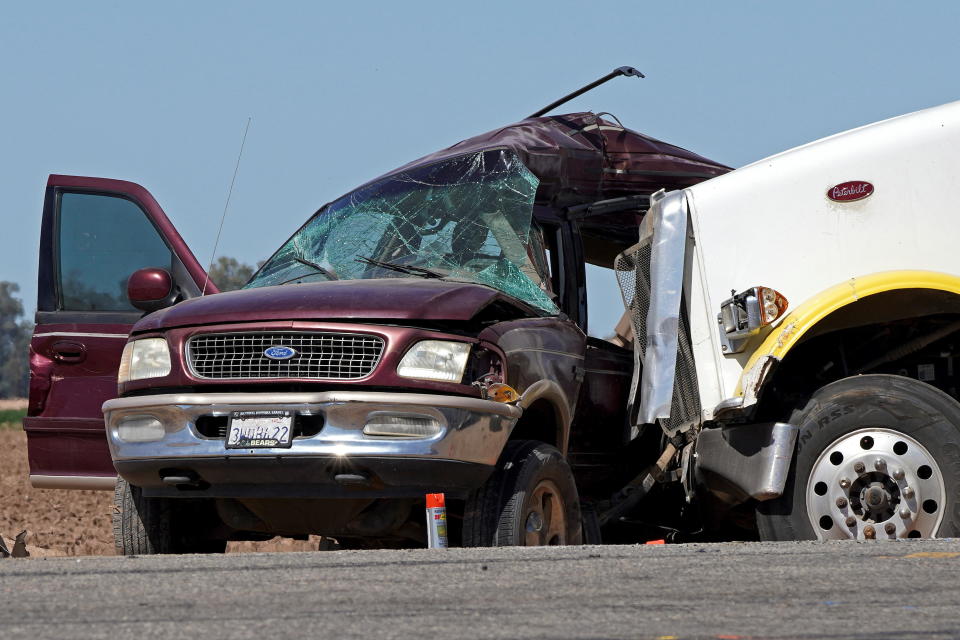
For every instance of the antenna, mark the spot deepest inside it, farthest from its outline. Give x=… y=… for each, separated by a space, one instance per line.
x=619 y=71
x=216 y=242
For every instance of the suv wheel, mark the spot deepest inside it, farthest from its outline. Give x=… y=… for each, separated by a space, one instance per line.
x=530 y=500
x=146 y=526
x=877 y=457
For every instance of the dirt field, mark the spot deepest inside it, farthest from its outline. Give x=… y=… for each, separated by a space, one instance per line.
x=70 y=523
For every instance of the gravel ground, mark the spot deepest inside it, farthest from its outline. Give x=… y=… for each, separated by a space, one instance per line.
x=58 y=522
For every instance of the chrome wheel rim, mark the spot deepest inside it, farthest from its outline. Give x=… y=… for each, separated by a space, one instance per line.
x=544 y=520
x=875 y=484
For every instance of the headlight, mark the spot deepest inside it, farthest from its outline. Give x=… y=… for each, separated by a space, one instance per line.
x=435 y=360
x=147 y=358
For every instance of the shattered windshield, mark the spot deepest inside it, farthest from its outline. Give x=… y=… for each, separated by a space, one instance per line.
x=465 y=218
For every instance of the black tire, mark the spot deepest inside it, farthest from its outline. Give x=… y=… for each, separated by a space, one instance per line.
x=147 y=526
x=845 y=413
x=591 y=533
x=532 y=486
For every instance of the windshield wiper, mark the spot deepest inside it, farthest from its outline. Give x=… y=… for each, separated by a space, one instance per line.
x=409 y=269
x=320 y=269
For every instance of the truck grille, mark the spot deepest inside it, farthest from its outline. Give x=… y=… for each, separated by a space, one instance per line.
x=322 y=356
x=633 y=274
x=686 y=391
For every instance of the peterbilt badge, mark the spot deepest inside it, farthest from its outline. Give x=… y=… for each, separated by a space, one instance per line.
x=850 y=191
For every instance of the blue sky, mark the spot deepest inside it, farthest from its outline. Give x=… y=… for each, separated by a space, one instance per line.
x=159 y=93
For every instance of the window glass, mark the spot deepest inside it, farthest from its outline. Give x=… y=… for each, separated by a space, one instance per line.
x=104 y=239
x=464 y=218
x=604 y=302
x=601 y=245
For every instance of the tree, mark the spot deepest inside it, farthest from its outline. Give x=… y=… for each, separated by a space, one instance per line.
x=229 y=273
x=14 y=344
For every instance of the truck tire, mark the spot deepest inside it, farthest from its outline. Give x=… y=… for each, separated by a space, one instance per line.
x=147 y=526
x=530 y=500
x=877 y=456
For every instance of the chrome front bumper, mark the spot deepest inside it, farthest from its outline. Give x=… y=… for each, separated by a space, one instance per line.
x=473 y=433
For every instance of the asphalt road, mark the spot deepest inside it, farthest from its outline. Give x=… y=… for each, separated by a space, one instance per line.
x=754 y=590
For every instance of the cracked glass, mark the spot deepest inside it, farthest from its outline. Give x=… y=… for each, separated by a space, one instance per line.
x=468 y=218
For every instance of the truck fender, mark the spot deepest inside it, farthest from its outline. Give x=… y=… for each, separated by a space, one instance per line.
x=808 y=314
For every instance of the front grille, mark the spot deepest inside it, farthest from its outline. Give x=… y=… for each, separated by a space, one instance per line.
x=321 y=356
x=686 y=391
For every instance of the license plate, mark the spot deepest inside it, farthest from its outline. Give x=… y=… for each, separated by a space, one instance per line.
x=260 y=430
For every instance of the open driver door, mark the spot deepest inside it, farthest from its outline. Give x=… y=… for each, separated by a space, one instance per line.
x=95 y=233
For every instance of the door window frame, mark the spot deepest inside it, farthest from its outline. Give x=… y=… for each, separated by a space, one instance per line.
x=566 y=269
x=50 y=293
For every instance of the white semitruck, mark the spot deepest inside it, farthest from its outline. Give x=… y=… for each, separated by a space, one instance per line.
x=772 y=223
x=841 y=336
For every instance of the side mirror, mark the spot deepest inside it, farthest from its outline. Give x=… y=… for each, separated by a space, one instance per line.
x=151 y=289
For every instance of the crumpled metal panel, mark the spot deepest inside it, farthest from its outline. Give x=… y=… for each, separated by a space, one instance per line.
x=582 y=157
x=650 y=273
x=462 y=218
x=668 y=215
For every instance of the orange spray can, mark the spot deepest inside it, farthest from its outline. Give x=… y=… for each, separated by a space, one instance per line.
x=436 y=521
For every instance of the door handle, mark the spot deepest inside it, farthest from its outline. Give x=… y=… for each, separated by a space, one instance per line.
x=68 y=351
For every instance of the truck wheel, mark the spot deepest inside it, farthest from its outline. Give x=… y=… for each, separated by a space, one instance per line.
x=877 y=456
x=530 y=500
x=147 y=526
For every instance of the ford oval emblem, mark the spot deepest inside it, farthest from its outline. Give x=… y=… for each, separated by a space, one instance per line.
x=280 y=353
x=850 y=191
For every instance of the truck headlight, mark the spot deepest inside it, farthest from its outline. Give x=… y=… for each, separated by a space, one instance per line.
x=435 y=360
x=146 y=358
x=743 y=315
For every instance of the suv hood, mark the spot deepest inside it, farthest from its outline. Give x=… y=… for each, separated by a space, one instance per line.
x=399 y=299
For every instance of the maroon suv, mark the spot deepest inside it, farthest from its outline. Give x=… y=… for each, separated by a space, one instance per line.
x=427 y=332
